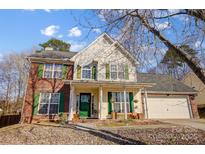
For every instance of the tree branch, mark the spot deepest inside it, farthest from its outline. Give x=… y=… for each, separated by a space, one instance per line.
x=191 y=62
x=171 y=15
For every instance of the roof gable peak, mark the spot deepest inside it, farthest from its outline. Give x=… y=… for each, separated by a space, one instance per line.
x=111 y=41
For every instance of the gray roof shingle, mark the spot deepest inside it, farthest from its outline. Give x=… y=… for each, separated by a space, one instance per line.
x=164 y=83
x=53 y=54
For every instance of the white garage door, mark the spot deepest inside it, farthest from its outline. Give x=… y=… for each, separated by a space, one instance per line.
x=167 y=107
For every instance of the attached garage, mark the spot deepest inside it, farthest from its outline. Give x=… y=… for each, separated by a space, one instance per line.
x=168 y=98
x=168 y=107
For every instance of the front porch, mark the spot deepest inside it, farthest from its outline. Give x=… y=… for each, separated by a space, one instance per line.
x=99 y=100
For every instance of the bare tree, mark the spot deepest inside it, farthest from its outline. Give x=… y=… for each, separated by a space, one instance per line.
x=155 y=31
x=13 y=76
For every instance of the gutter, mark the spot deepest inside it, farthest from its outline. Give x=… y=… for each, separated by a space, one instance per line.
x=36 y=59
x=133 y=84
x=170 y=92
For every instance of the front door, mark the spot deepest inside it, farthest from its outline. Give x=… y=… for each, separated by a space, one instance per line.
x=85 y=100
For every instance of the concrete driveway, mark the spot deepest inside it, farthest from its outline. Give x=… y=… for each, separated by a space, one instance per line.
x=195 y=123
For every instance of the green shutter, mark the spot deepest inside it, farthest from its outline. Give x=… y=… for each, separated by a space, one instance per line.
x=107 y=73
x=131 y=102
x=126 y=72
x=61 y=106
x=35 y=103
x=64 y=71
x=94 y=72
x=40 y=70
x=109 y=102
x=78 y=72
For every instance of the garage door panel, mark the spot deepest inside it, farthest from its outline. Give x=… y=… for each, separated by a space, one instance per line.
x=167 y=108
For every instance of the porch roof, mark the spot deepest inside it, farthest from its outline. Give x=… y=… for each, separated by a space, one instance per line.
x=126 y=84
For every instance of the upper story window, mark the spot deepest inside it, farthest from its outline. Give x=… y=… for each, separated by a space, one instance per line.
x=121 y=71
x=113 y=72
x=52 y=71
x=86 y=72
x=118 y=72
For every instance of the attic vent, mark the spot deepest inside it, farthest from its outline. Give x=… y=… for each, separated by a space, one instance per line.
x=48 y=49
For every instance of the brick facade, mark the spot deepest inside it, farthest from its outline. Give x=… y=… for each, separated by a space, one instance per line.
x=36 y=84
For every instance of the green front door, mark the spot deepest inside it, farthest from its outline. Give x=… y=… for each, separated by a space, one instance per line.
x=85 y=99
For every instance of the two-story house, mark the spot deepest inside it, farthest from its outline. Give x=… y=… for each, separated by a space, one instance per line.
x=98 y=81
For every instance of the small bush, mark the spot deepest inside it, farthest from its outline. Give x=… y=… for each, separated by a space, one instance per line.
x=62 y=118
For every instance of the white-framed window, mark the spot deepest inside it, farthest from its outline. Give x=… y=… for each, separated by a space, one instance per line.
x=48 y=71
x=49 y=103
x=117 y=71
x=121 y=71
x=52 y=71
x=86 y=72
x=113 y=71
x=118 y=102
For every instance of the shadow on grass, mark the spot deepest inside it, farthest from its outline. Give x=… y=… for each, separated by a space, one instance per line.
x=107 y=135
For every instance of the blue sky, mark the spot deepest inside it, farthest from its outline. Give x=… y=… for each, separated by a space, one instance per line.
x=21 y=30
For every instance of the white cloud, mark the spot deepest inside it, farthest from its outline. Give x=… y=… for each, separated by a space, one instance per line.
x=75 y=31
x=97 y=30
x=101 y=16
x=197 y=44
x=31 y=10
x=47 y=10
x=172 y=11
x=162 y=26
x=60 y=36
x=1 y=57
x=76 y=46
x=50 y=30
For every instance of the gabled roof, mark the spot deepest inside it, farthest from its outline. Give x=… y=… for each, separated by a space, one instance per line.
x=115 y=42
x=53 y=55
x=164 y=83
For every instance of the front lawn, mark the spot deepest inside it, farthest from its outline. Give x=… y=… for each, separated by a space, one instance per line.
x=129 y=122
x=40 y=134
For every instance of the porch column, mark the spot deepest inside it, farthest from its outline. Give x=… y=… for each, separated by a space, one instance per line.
x=145 y=102
x=125 y=104
x=70 y=117
x=101 y=100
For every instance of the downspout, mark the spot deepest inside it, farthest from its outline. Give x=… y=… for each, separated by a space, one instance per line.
x=145 y=100
x=101 y=100
x=70 y=115
x=125 y=104
x=25 y=93
x=190 y=107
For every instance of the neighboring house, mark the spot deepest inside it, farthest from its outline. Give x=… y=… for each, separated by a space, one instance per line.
x=102 y=80
x=193 y=81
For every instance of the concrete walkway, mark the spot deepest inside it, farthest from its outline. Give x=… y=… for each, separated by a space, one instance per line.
x=195 y=123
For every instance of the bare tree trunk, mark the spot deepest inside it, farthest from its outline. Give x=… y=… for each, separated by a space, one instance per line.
x=191 y=62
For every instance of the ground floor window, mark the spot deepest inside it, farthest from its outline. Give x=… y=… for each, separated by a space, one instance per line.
x=49 y=103
x=118 y=102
